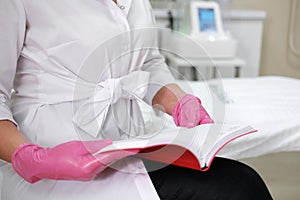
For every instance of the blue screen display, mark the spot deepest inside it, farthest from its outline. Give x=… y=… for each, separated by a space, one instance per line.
x=207 y=20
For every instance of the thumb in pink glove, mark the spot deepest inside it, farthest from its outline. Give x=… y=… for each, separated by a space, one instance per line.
x=68 y=161
x=188 y=112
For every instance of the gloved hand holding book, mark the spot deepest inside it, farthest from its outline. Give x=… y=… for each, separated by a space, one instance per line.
x=189 y=112
x=72 y=160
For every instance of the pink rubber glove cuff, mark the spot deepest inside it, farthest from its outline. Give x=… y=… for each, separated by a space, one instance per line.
x=17 y=166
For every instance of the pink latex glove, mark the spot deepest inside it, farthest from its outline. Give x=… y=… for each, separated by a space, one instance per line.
x=68 y=161
x=189 y=112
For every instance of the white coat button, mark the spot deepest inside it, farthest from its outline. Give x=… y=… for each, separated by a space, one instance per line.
x=122 y=7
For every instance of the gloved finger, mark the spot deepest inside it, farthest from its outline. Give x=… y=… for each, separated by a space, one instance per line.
x=108 y=158
x=192 y=118
x=94 y=164
x=190 y=125
x=206 y=120
x=93 y=146
x=204 y=117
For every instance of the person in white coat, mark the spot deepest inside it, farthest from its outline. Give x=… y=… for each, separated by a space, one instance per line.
x=78 y=69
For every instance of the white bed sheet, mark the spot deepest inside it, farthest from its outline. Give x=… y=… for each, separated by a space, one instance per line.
x=269 y=104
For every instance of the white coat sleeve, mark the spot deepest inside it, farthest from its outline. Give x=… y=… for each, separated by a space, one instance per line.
x=160 y=74
x=12 y=31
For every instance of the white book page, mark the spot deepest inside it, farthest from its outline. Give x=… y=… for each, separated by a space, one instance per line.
x=226 y=134
x=203 y=141
x=176 y=136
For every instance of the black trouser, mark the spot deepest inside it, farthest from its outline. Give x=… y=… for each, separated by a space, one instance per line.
x=226 y=179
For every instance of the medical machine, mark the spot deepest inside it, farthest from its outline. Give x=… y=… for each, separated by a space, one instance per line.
x=201 y=33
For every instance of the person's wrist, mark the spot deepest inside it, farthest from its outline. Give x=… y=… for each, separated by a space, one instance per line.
x=18 y=151
x=167 y=98
x=24 y=164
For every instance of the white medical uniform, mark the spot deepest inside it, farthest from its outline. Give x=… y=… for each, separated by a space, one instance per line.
x=78 y=68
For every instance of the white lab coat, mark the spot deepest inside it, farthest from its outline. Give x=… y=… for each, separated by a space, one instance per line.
x=78 y=68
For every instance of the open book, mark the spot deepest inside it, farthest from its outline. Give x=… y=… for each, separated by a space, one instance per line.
x=192 y=148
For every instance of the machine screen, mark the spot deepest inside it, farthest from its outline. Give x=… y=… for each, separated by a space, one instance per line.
x=207 y=20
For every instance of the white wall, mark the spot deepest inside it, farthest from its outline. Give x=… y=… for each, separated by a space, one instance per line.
x=276 y=57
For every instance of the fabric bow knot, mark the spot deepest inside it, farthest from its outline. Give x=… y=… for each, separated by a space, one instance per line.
x=92 y=113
